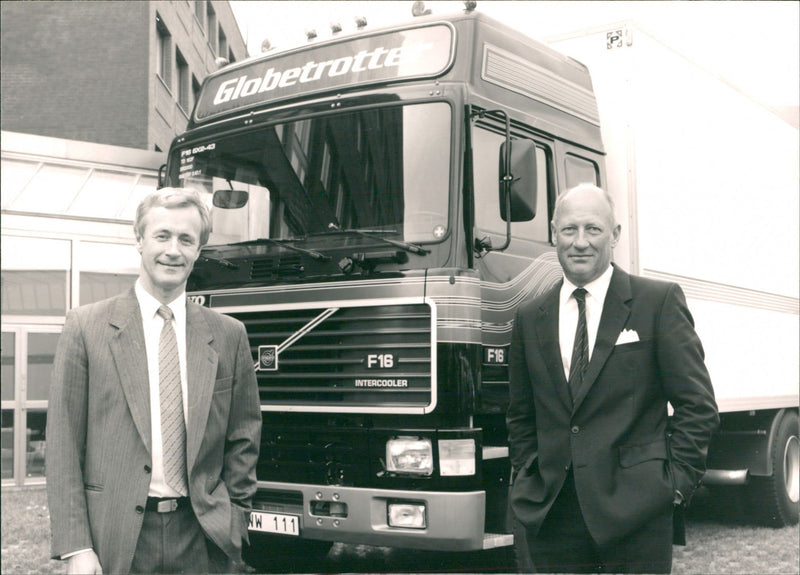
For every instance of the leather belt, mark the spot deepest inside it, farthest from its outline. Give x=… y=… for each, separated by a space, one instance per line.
x=166 y=504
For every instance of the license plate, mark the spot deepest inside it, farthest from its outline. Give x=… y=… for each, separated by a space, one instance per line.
x=274 y=523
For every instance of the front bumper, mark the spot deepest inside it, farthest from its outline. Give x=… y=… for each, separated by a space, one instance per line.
x=455 y=521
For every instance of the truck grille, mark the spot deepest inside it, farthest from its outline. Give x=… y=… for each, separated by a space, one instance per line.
x=322 y=456
x=356 y=359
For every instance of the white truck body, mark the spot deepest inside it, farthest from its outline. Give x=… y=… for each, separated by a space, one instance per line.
x=706 y=184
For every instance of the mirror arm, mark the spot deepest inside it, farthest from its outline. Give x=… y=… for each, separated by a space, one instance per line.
x=162 y=179
x=468 y=189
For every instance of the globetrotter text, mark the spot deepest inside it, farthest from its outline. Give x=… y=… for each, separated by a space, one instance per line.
x=311 y=71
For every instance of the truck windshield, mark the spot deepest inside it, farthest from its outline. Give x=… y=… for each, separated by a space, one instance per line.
x=381 y=170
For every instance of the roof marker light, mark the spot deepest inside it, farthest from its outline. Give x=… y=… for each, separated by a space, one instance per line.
x=418 y=9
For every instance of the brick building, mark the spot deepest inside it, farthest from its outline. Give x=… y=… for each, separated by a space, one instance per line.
x=92 y=95
x=119 y=73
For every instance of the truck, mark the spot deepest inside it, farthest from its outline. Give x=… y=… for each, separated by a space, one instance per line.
x=381 y=203
x=698 y=168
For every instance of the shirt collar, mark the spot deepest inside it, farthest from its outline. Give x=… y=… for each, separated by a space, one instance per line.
x=149 y=305
x=597 y=288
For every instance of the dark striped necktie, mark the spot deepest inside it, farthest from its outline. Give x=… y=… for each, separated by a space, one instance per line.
x=580 y=349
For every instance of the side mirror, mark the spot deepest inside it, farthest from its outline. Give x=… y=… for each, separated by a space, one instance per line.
x=230 y=199
x=162 y=177
x=523 y=178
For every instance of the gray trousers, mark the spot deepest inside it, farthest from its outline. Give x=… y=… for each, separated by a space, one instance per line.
x=175 y=543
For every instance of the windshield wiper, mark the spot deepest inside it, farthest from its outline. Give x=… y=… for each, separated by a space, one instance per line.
x=281 y=244
x=219 y=260
x=407 y=246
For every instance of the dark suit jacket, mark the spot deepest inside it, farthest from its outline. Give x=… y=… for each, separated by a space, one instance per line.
x=627 y=457
x=98 y=430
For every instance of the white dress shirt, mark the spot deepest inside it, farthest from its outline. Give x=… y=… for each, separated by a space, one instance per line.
x=568 y=314
x=153 y=324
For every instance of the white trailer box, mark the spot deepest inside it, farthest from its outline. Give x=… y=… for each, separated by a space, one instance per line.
x=706 y=184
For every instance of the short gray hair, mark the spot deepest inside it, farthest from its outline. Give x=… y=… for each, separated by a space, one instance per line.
x=586 y=186
x=173 y=198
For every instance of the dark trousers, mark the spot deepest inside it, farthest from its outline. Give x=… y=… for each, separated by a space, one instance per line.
x=564 y=544
x=175 y=543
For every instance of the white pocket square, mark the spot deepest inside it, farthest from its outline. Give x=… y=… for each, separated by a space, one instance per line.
x=627 y=336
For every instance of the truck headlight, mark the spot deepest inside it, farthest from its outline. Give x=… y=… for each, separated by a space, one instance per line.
x=457 y=457
x=409 y=455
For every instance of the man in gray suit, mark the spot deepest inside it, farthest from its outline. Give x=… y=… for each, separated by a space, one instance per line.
x=154 y=421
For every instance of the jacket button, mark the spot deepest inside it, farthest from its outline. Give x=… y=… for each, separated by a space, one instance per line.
x=575 y=429
x=139 y=509
x=147 y=469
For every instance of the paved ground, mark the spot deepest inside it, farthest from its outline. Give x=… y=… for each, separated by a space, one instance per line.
x=721 y=540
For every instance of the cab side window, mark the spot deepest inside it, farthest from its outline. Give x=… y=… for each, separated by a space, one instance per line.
x=580 y=171
x=486 y=167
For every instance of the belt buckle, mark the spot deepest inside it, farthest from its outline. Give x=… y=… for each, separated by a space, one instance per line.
x=167 y=506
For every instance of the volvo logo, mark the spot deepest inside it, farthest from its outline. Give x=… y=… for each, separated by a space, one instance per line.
x=267 y=358
x=198 y=299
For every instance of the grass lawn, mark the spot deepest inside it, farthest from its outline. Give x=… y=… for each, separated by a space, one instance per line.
x=25 y=533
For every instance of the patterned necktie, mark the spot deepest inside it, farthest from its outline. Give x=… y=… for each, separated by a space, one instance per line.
x=173 y=426
x=580 y=350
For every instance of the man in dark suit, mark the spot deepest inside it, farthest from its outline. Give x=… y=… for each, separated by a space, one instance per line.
x=154 y=419
x=598 y=465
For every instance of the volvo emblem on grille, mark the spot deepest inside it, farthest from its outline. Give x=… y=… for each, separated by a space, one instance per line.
x=268 y=358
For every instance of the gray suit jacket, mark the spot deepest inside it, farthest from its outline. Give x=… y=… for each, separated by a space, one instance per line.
x=627 y=456
x=99 y=434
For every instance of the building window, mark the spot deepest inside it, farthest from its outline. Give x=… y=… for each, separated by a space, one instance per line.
x=7 y=463
x=223 y=43
x=212 y=27
x=105 y=270
x=24 y=419
x=35 y=441
x=35 y=276
x=34 y=292
x=195 y=89
x=41 y=353
x=164 y=52
x=96 y=286
x=7 y=374
x=183 y=81
x=200 y=13
x=8 y=383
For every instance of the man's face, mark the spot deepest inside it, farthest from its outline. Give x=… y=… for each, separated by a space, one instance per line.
x=585 y=236
x=170 y=244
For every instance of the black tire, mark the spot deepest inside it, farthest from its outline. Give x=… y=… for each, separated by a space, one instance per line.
x=285 y=554
x=775 y=500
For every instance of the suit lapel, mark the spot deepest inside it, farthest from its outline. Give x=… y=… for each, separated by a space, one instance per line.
x=547 y=331
x=129 y=353
x=201 y=371
x=616 y=310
